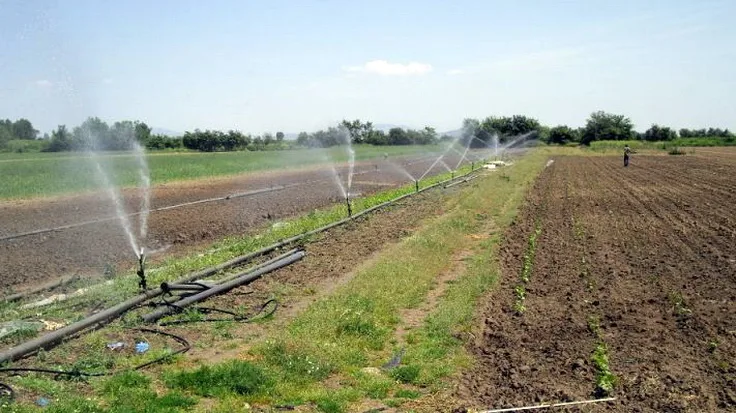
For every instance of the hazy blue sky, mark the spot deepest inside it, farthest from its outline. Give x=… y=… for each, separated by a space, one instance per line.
x=299 y=65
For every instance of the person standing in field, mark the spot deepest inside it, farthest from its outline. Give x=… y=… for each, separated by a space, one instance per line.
x=627 y=152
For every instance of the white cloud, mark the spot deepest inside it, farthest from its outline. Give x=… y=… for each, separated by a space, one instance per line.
x=455 y=72
x=107 y=81
x=43 y=83
x=384 y=68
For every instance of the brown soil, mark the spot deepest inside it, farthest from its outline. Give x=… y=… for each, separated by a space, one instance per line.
x=650 y=252
x=90 y=249
x=331 y=261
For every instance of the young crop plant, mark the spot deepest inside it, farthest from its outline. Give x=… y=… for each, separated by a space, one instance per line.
x=605 y=379
x=520 y=295
x=526 y=271
x=678 y=302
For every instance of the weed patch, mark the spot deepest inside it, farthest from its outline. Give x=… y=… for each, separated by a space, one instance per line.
x=234 y=377
x=406 y=374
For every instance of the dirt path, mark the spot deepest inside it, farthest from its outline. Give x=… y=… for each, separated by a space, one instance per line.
x=648 y=253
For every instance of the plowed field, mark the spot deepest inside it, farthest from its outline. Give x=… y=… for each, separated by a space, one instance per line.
x=648 y=254
x=89 y=238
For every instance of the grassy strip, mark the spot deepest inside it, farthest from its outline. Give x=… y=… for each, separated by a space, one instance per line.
x=35 y=175
x=664 y=145
x=122 y=286
x=437 y=348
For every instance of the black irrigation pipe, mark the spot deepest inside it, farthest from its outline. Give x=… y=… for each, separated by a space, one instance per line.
x=10 y=394
x=105 y=316
x=462 y=181
x=240 y=279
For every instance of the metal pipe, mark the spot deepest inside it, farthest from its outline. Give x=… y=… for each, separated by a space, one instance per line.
x=416 y=186
x=244 y=278
x=350 y=208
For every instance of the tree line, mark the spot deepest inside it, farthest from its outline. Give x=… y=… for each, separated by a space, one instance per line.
x=93 y=133
x=96 y=134
x=480 y=133
x=603 y=126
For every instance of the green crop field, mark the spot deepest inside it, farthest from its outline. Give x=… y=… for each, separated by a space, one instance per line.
x=43 y=174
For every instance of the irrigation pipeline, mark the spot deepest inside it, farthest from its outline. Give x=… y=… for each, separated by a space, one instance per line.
x=103 y=317
x=240 y=279
x=254 y=192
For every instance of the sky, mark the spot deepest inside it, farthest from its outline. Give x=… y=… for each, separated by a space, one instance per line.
x=267 y=66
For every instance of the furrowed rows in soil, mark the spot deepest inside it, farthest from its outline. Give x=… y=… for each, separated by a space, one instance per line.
x=89 y=249
x=660 y=276
x=525 y=358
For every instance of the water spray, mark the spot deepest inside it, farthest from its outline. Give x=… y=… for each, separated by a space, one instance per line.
x=142 y=270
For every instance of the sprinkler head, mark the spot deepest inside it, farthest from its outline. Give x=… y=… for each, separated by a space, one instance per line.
x=350 y=208
x=142 y=271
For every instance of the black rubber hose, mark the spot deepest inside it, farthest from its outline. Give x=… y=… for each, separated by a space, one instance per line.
x=9 y=393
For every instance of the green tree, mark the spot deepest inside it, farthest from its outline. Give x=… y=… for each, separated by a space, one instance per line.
x=602 y=126
x=267 y=139
x=506 y=127
x=398 y=136
x=93 y=134
x=142 y=132
x=659 y=133
x=6 y=132
x=23 y=129
x=356 y=129
x=429 y=136
x=61 y=140
x=279 y=137
x=302 y=139
x=376 y=137
x=562 y=134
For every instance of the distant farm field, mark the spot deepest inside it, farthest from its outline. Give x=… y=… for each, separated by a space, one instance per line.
x=41 y=174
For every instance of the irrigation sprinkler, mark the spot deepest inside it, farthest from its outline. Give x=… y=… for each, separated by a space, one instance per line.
x=350 y=208
x=452 y=174
x=472 y=166
x=416 y=185
x=105 y=316
x=142 y=271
